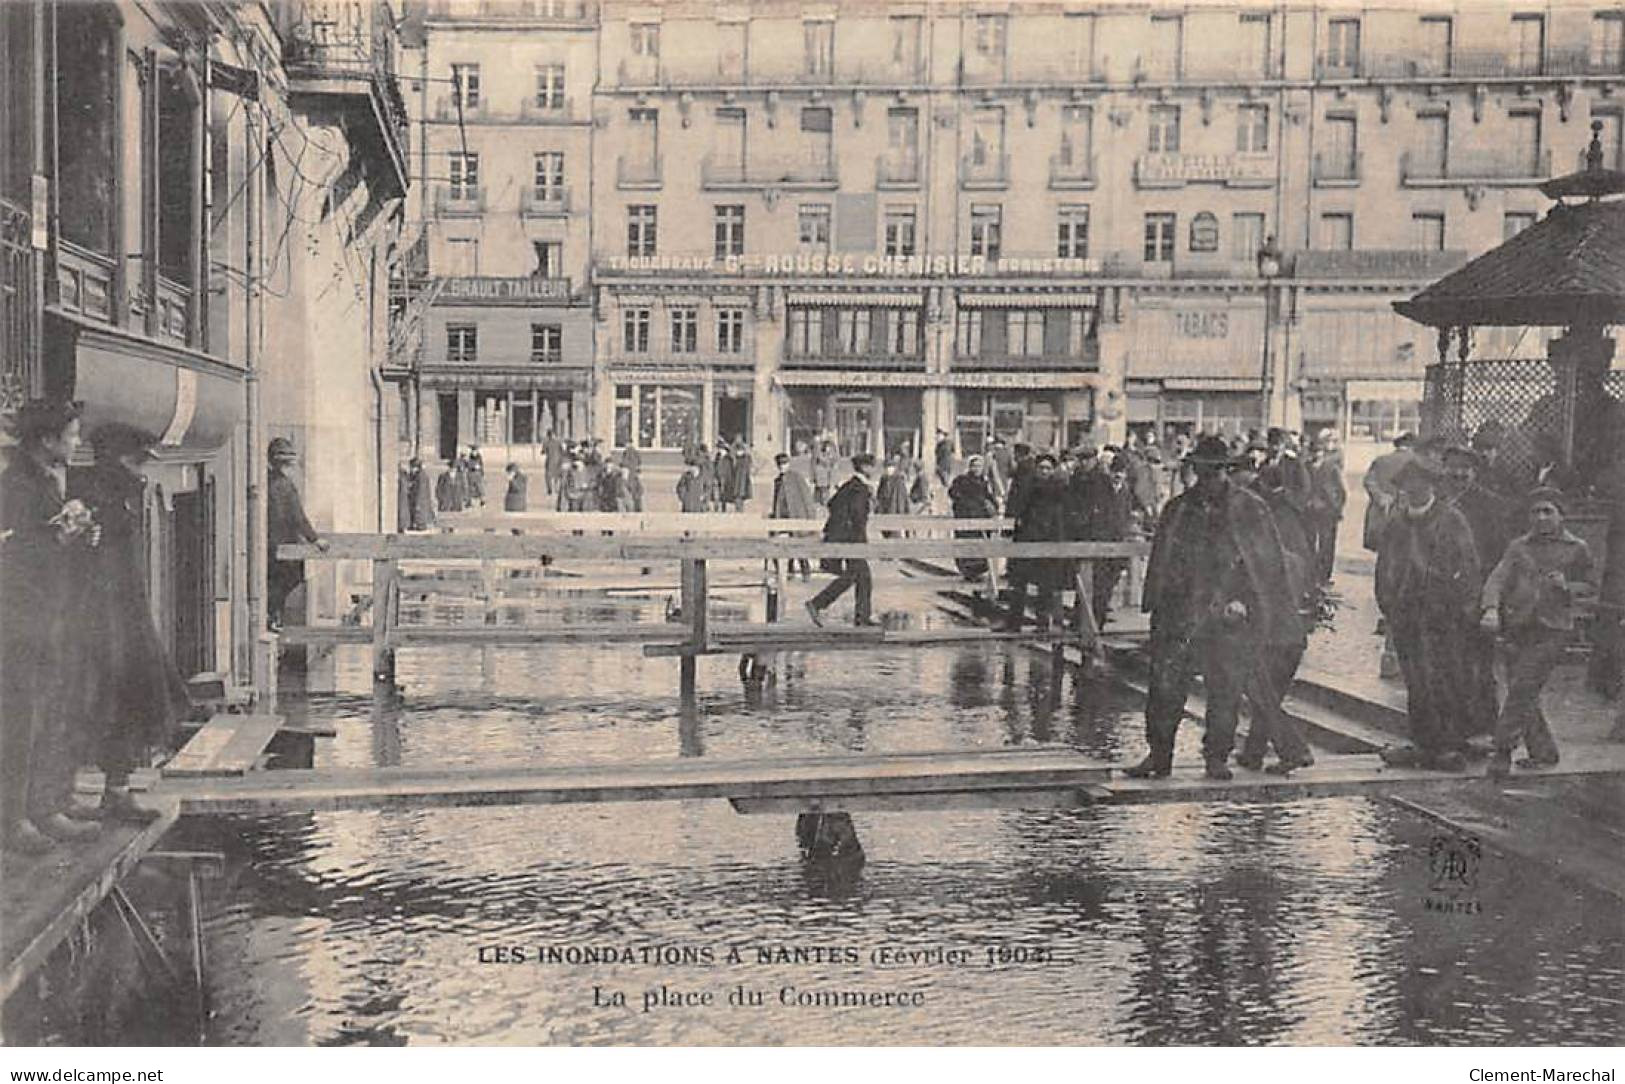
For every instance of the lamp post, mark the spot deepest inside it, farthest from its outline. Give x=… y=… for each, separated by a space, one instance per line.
x=1269 y=268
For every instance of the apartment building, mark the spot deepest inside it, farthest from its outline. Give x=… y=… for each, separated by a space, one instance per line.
x=878 y=220
x=497 y=331
x=197 y=204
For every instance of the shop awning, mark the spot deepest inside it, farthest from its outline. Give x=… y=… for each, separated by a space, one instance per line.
x=1073 y=300
x=1212 y=383
x=486 y=379
x=856 y=299
x=190 y=401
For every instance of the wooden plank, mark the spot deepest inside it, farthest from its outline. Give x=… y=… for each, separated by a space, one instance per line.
x=493 y=635
x=43 y=898
x=1014 y=798
x=529 y=547
x=678 y=779
x=846 y=638
x=679 y=524
x=227 y=745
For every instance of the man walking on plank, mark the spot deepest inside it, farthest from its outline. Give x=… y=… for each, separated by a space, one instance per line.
x=849 y=522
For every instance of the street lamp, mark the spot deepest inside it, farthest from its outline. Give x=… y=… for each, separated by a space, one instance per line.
x=1269 y=267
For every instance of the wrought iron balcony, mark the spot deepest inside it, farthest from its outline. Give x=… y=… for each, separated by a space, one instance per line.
x=637 y=171
x=1339 y=66
x=451 y=201
x=349 y=60
x=583 y=12
x=18 y=333
x=1475 y=166
x=897 y=171
x=1331 y=170
x=1072 y=169
x=872 y=357
x=984 y=171
x=715 y=174
x=544 y=202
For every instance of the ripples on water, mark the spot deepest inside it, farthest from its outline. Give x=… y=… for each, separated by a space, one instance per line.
x=1176 y=924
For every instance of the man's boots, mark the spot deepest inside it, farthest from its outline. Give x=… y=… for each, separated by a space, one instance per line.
x=1156 y=765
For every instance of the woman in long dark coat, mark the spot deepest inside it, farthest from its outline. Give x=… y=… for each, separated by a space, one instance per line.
x=972 y=497
x=126 y=696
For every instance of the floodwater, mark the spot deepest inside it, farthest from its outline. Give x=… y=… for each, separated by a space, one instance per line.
x=1320 y=921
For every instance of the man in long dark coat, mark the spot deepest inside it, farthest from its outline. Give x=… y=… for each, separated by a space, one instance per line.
x=1323 y=505
x=516 y=498
x=414 y=503
x=793 y=499
x=285 y=522
x=1491 y=519
x=36 y=762
x=1038 y=505
x=1220 y=602
x=1428 y=583
x=740 y=492
x=554 y=460
x=849 y=522
x=1108 y=517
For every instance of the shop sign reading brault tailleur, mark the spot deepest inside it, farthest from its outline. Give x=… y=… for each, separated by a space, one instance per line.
x=857 y=266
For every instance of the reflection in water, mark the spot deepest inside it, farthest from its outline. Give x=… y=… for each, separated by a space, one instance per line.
x=1172 y=924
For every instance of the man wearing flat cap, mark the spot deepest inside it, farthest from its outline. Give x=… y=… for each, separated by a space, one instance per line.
x=1217 y=589
x=1491 y=519
x=1428 y=580
x=1038 y=505
x=1530 y=599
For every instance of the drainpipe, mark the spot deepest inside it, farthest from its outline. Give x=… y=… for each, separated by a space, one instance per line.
x=254 y=327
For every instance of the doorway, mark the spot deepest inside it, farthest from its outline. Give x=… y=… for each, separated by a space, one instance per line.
x=448 y=426
x=854 y=426
x=733 y=418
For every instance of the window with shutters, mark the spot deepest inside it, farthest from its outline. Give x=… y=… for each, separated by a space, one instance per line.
x=685 y=330
x=730 y=230
x=1246 y=236
x=902 y=332
x=1337 y=231
x=806 y=332
x=1343 y=45
x=1608 y=42
x=900 y=231
x=1429 y=231
x=818 y=36
x=1253 y=129
x=1024 y=332
x=969 y=335
x=1159 y=237
x=1072 y=231
x=462 y=342
x=986 y=229
x=812 y=227
x=1528 y=43
x=852 y=331
x=635 y=331
x=546 y=344
x=550 y=86
x=548 y=178
x=1434 y=48
x=730 y=331
x=465 y=85
x=1163 y=131
x=463 y=170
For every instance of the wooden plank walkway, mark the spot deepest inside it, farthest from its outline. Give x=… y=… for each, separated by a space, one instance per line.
x=497 y=547
x=684 y=524
x=227 y=745
x=834 y=782
x=43 y=898
x=799 y=777
x=807 y=637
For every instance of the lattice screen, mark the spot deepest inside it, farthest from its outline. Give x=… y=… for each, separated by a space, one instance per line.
x=1534 y=407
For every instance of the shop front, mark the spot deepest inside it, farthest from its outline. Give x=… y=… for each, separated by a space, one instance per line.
x=1046 y=418
x=1196 y=364
x=515 y=411
x=883 y=421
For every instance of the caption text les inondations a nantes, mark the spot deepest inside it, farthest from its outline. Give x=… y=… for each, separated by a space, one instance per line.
x=887 y=955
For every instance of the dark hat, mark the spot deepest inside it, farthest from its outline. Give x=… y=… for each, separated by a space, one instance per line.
x=1276 y=435
x=1461 y=453
x=116 y=439
x=281 y=448
x=781 y=458
x=1543 y=494
x=42 y=418
x=1087 y=451
x=1047 y=458
x=1489 y=435
x=861 y=460
x=1424 y=469
x=1405 y=439
x=1210 y=451
x=1256 y=444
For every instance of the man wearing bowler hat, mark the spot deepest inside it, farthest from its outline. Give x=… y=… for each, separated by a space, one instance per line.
x=1217 y=589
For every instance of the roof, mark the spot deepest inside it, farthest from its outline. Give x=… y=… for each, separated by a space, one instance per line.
x=1566 y=269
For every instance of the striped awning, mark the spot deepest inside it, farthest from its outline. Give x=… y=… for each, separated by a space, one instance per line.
x=1212 y=383
x=1073 y=300
x=857 y=298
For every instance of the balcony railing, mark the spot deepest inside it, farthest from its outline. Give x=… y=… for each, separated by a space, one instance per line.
x=1087 y=363
x=1072 y=170
x=1338 y=66
x=638 y=172
x=874 y=357
x=84 y=282
x=639 y=72
x=717 y=174
x=446 y=108
x=18 y=333
x=505 y=288
x=174 y=309
x=897 y=171
x=984 y=171
x=1336 y=169
x=709 y=72
x=450 y=201
x=1468 y=166
x=565 y=110
x=544 y=202
x=356 y=46
x=1582 y=62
